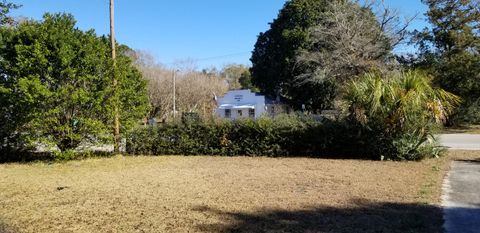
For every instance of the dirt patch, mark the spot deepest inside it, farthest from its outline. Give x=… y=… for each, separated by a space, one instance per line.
x=223 y=194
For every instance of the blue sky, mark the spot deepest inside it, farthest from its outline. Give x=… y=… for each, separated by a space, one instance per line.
x=210 y=32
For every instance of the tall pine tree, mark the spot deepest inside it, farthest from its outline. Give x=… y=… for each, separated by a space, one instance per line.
x=450 y=50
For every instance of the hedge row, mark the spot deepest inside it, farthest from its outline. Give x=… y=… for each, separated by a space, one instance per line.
x=283 y=136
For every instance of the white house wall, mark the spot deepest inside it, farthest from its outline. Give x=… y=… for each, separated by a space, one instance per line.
x=240 y=98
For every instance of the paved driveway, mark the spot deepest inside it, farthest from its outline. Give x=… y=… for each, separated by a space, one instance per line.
x=461 y=198
x=461 y=189
x=461 y=141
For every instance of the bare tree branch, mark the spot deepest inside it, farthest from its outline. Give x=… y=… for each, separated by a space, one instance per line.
x=193 y=89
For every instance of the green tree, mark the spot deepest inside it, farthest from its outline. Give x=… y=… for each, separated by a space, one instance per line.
x=450 y=49
x=245 y=80
x=274 y=56
x=56 y=83
x=232 y=73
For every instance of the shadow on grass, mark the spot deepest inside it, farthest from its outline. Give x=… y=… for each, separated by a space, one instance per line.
x=4 y=228
x=363 y=216
x=477 y=160
x=27 y=157
x=462 y=129
x=461 y=219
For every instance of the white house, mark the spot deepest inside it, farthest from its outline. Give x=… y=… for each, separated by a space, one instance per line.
x=245 y=103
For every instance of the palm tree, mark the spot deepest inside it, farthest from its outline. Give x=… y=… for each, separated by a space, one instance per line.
x=398 y=99
x=405 y=107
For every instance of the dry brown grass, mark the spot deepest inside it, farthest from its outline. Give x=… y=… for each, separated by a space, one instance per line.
x=223 y=194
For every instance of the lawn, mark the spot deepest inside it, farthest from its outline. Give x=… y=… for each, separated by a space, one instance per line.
x=223 y=194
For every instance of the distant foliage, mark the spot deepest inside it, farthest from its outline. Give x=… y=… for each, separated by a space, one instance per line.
x=195 y=90
x=467 y=113
x=237 y=76
x=5 y=8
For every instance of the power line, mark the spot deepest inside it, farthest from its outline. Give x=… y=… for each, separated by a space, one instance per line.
x=222 y=56
x=214 y=57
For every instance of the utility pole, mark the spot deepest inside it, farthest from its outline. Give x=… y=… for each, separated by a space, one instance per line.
x=116 y=121
x=174 y=108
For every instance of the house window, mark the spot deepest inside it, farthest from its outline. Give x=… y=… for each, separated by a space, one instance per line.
x=228 y=113
x=239 y=113
x=251 y=113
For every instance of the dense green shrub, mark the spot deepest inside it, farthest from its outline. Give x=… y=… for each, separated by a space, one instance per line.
x=288 y=135
x=468 y=113
x=56 y=86
x=189 y=117
x=264 y=136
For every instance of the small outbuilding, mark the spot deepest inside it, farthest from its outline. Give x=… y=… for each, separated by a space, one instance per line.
x=238 y=104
